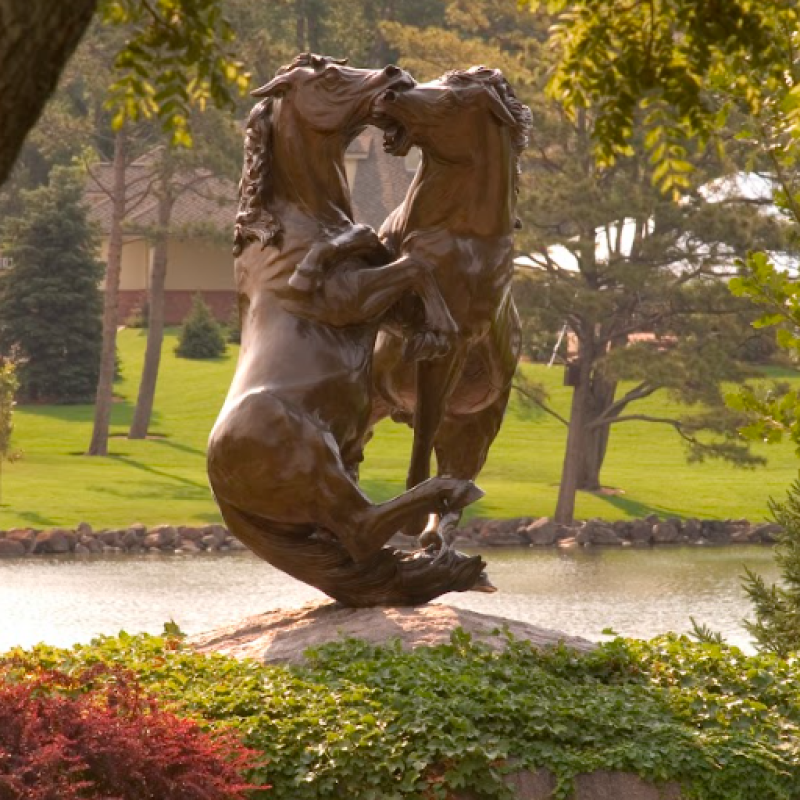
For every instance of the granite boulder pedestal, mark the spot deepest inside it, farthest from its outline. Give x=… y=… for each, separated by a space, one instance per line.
x=282 y=637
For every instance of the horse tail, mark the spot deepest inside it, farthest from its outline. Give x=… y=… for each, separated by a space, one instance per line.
x=390 y=578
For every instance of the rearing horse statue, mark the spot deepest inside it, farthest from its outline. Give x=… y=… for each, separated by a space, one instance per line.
x=284 y=452
x=459 y=218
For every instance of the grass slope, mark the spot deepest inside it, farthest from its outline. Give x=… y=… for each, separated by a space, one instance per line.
x=163 y=479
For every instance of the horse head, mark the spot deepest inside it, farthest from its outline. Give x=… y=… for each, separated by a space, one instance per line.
x=325 y=95
x=307 y=116
x=448 y=118
x=472 y=130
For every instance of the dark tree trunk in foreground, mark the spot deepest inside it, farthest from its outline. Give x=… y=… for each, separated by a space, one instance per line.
x=155 y=330
x=105 y=383
x=37 y=37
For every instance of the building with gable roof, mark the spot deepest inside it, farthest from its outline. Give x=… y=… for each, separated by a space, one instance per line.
x=199 y=247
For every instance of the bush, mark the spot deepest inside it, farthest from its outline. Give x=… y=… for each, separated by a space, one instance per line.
x=97 y=735
x=777 y=607
x=139 y=316
x=201 y=335
x=234 y=326
x=50 y=302
x=376 y=722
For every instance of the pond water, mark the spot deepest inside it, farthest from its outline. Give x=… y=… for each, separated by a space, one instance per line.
x=640 y=593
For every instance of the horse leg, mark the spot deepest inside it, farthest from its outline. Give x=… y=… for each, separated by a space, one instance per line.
x=271 y=460
x=435 y=383
x=358 y=241
x=466 y=433
x=462 y=445
x=353 y=295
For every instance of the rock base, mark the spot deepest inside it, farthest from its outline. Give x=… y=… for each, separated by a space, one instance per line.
x=591 y=786
x=281 y=636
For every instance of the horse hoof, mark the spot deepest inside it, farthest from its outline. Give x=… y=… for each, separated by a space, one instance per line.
x=483 y=584
x=431 y=538
x=464 y=496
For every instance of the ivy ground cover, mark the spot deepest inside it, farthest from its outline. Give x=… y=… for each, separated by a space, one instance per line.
x=378 y=723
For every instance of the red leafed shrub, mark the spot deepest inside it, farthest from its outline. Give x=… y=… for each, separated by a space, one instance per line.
x=60 y=740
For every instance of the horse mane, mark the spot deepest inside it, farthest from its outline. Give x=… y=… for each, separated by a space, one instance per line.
x=254 y=221
x=495 y=79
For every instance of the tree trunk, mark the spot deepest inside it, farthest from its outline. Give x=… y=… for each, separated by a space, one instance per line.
x=312 y=26
x=595 y=446
x=379 y=52
x=155 y=330
x=300 y=25
x=38 y=37
x=105 y=382
x=600 y=397
x=576 y=439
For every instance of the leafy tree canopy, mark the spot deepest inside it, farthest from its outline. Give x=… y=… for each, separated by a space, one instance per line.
x=679 y=66
x=176 y=54
x=175 y=58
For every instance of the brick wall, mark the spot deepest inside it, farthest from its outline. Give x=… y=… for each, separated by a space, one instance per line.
x=177 y=304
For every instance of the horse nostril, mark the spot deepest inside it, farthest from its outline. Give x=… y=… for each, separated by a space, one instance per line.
x=391 y=70
x=389 y=96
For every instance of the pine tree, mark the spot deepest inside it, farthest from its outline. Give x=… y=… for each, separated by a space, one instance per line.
x=201 y=335
x=234 y=326
x=777 y=606
x=9 y=384
x=50 y=302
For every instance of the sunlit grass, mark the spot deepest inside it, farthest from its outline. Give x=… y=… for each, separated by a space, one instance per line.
x=163 y=479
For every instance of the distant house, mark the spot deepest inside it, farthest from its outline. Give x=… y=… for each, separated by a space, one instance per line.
x=199 y=249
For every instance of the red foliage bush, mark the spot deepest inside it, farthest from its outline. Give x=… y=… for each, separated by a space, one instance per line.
x=60 y=740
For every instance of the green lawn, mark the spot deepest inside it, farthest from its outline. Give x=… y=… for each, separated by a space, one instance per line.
x=163 y=479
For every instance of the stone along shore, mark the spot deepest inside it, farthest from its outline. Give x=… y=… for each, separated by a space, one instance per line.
x=478 y=533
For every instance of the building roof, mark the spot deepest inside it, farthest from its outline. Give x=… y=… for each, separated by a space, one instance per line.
x=204 y=201
x=207 y=203
x=381 y=180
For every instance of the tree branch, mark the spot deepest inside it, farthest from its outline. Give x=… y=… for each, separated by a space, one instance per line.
x=97 y=182
x=675 y=423
x=536 y=401
x=610 y=414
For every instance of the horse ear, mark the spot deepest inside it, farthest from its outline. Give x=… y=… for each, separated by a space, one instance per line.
x=277 y=86
x=499 y=109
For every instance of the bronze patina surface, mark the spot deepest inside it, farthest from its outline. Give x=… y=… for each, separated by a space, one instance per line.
x=459 y=218
x=314 y=289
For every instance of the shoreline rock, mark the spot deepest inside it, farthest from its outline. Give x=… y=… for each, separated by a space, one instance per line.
x=650 y=531
x=138 y=539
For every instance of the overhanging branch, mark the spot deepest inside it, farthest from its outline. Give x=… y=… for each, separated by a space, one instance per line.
x=536 y=401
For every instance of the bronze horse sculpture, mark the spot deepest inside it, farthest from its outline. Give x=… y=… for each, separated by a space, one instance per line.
x=284 y=453
x=459 y=218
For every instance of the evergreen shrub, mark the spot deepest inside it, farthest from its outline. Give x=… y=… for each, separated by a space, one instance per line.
x=139 y=316
x=234 y=326
x=776 y=627
x=50 y=302
x=201 y=335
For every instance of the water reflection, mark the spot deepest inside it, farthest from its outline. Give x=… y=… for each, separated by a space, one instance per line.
x=636 y=592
